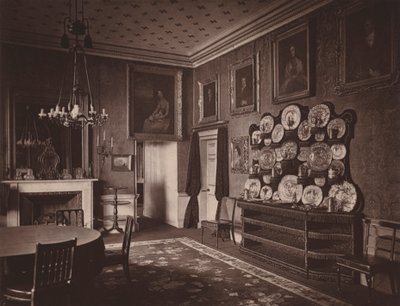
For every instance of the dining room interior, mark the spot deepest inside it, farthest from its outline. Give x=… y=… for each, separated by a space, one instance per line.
x=185 y=152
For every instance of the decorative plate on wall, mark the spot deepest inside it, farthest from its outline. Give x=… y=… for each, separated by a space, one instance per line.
x=266 y=192
x=304 y=131
x=304 y=153
x=267 y=158
x=319 y=115
x=289 y=150
x=289 y=189
x=256 y=137
x=338 y=167
x=291 y=117
x=267 y=124
x=344 y=196
x=278 y=133
x=253 y=185
x=320 y=157
x=312 y=195
x=338 y=151
x=336 y=128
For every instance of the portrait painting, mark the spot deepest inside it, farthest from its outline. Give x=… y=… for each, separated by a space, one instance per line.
x=291 y=64
x=245 y=86
x=208 y=100
x=240 y=155
x=121 y=162
x=366 y=47
x=154 y=103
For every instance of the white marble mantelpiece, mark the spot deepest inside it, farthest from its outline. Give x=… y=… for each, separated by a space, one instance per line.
x=85 y=186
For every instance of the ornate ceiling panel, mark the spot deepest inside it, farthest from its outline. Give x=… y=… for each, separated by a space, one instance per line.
x=174 y=30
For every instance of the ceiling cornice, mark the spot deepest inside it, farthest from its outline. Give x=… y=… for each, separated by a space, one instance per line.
x=278 y=15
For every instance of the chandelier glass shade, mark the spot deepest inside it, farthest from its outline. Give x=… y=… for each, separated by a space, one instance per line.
x=79 y=109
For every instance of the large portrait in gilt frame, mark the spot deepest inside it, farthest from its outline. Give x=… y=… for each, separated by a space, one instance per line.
x=209 y=100
x=154 y=102
x=245 y=86
x=291 y=64
x=368 y=46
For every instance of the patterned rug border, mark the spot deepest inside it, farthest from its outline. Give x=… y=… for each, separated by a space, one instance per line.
x=272 y=278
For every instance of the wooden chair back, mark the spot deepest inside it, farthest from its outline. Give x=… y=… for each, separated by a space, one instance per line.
x=126 y=243
x=226 y=210
x=74 y=217
x=53 y=265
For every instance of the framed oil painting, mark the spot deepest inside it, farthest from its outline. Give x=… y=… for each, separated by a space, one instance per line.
x=121 y=162
x=209 y=100
x=154 y=102
x=245 y=86
x=291 y=64
x=240 y=154
x=368 y=47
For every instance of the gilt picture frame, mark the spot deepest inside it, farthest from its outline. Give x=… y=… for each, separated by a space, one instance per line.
x=291 y=65
x=367 y=57
x=209 y=100
x=245 y=86
x=154 y=99
x=240 y=154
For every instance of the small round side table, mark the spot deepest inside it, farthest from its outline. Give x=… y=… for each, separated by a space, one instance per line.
x=115 y=203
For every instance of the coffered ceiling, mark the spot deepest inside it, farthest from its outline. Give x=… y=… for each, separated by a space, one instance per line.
x=180 y=32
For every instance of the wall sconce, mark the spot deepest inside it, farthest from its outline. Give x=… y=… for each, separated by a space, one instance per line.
x=103 y=150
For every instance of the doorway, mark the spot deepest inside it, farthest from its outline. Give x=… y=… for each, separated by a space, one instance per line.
x=208 y=160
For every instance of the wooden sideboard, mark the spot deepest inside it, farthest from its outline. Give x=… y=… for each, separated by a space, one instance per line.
x=306 y=242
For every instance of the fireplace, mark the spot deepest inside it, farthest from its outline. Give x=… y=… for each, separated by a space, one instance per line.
x=35 y=202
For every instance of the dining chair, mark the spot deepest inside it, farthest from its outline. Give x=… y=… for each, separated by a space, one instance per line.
x=224 y=220
x=51 y=277
x=121 y=256
x=383 y=259
x=70 y=217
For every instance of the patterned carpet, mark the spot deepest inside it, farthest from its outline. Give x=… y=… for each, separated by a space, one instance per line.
x=182 y=271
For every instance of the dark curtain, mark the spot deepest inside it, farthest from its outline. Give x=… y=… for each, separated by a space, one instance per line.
x=193 y=183
x=222 y=177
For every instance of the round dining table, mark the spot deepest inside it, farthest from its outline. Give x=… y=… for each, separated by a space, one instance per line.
x=20 y=242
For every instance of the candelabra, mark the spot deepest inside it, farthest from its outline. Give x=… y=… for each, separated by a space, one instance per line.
x=103 y=150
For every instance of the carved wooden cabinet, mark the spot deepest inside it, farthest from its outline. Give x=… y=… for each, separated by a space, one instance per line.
x=306 y=242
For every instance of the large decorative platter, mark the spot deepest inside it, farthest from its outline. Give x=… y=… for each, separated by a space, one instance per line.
x=266 y=192
x=344 y=196
x=253 y=185
x=304 y=153
x=291 y=117
x=338 y=167
x=312 y=195
x=289 y=189
x=267 y=124
x=267 y=158
x=256 y=137
x=336 y=128
x=289 y=150
x=304 y=131
x=277 y=133
x=319 y=115
x=338 y=151
x=320 y=156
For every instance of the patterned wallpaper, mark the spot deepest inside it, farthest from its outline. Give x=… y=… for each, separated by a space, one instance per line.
x=176 y=26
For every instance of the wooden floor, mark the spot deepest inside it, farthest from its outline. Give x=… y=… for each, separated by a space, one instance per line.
x=354 y=294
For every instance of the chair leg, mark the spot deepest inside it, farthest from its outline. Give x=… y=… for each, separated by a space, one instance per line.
x=369 y=284
x=233 y=235
x=339 y=289
x=216 y=236
x=202 y=233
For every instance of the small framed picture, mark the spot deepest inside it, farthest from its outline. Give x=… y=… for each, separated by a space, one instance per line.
x=291 y=64
x=245 y=86
x=240 y=154
x=368 y=47
x=209 y=100
x=121 y=162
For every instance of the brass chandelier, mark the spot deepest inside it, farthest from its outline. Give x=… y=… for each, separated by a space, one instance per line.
x=76 y=113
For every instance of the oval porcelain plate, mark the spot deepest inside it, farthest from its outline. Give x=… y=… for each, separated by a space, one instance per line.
x=267 y=124
x=336 y=128
x=304 y=131
x=320 y=156
x=319 y=115
x=254 y=186
x=338 y=151
x=291 y=117
x=278 y=133
x=312 y=195
x=344 y=196
x=289 y=190
x=266 y=192
x=267 y=158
